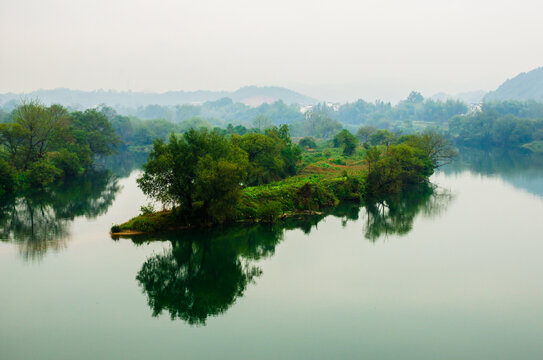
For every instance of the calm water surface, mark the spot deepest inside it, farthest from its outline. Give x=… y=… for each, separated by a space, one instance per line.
x=454 y=274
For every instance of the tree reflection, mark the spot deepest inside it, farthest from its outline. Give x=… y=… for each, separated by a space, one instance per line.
x=204 y=272
x=519 y=167
x=39 y=222
x=395 y=215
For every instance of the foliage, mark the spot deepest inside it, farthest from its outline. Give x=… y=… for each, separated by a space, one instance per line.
x=381 y=137
x=398 y=167
x=316 y=124
x=363 y=133
x=7 y=178
x=434 y=145
x=272 y=155
x=491 y=128
x=199 y=167
x=307 y=142
x=42 y=144
x=68 y=162
x=42 y=173
x=346 y=140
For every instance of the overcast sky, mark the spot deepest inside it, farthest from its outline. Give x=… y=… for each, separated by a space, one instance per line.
x=348 y=49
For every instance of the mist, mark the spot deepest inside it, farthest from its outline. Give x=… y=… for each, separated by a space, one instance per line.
x=337 y=50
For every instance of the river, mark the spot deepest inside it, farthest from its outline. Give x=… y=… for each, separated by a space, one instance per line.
x=456 y=273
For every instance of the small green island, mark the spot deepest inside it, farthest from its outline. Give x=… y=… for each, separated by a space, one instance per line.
x=205 y=178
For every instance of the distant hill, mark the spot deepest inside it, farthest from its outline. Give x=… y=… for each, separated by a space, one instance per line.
x=525 y=86
x=251 y=95
x=470 y=97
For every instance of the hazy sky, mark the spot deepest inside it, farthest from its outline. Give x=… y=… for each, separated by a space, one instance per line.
x=346 y=49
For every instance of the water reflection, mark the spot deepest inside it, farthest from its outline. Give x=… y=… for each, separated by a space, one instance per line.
x=519 y=167
x=205 y=271
x=395 y=215
x=39 y=222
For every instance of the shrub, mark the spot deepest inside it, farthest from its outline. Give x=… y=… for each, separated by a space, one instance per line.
x=269 y=211
x=338 y=161
x=147 y=209
x=307 y=143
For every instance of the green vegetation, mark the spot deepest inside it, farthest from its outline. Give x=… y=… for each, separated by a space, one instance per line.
x=39 y=145
x=347 y=141
x=209 y=178
x=491 y=128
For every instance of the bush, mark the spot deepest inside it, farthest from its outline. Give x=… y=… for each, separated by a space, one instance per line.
x=115 y=229
x=146 y=210
x=269 y=211
x=307 y=143
x=338 y=161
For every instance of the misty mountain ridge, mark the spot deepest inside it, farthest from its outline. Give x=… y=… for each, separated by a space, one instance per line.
x=469 y=97
x=525 y=86
x=250 y=95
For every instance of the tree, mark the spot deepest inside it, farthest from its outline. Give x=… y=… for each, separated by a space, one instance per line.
x=41 y=128
x=400 y=166
x=364 y=132
x=436 y=146
x=415 y=98
x=371 y=157
x=262 y=122
x=7 y=178
x=94 y=128
x=381 y=137
x=200 y=167
x=13 y=138
x=346 y=140
x=307 y=143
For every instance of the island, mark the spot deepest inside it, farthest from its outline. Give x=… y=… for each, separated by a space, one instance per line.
x=205 y=178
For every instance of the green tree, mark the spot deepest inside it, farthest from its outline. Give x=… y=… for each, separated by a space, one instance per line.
x=199 y=167
x=435 y=145
x=41 y=128
x=262 y=122
x=93 y=128
x=346 y=140
x=400 y=166
x=7 y=178
x=381 y=137
x=363 y=133
x=307 y=142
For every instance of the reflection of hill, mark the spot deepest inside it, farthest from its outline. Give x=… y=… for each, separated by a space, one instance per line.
x=518 y=167
x=39 y=222
x=206 y=271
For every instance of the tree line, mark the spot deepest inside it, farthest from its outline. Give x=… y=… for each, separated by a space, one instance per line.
x=39 y=144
